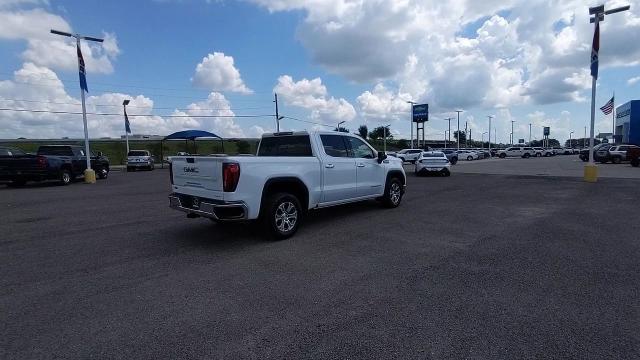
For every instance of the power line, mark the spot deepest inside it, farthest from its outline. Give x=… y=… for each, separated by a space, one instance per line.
x=138 y=107
x=135 y=115
x=307 y=121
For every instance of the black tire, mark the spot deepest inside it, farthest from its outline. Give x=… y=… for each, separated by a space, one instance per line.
x=392 y=193
x=278 y=225
x=65 y=177
x=152 y=167
x=526 y=155
x=102 y=173
x=446 y=172
x=469 y=158
x=635 y=162
x=453 y=160
x=502 y=156
x=538 y=154
x=616 y=160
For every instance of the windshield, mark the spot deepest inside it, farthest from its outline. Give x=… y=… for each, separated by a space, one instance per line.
x=138 y=153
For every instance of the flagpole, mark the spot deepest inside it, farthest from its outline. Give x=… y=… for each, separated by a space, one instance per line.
x=613 y=118
x=84 y=117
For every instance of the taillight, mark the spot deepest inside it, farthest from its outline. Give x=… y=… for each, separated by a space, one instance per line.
x=230 y=176
x=171 y=172
x=41 y=161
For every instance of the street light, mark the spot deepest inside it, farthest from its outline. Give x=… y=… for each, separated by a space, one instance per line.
x=598 y=12
x=340 y=123
x=490 y=117
x=570 y=143
x=512 y=137
x=89 y=174
x=458 y=137
x=529 y=134
x=412 y=103
x=384 y=136
x=449 y=120
x=445 y=138
x=483 y=139
x=126 y=123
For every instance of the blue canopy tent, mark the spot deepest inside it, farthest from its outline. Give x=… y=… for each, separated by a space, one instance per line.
x=192 y=135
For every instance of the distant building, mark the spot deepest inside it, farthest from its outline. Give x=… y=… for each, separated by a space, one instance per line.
x=628 y=123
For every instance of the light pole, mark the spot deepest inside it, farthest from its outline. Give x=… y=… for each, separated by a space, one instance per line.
x=570 y=143
x=483 y=139
x=598 y=12
x=127 y=128
x=89 y=174
x=490 y=117
x=411 y=122
x=584 y=139
x=340 y=123
x=529 y=134
x=512 y=136
x=449 y=120
x=458 y=137
x=445 y=137
x=384 y=136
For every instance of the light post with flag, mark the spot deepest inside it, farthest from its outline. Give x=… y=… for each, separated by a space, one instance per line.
x=89 y=174
x=127 y=126
x=598 y=12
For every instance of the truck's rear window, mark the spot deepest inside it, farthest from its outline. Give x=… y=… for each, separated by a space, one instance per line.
x=288 y=145
x=137 y=153
x=55 y=150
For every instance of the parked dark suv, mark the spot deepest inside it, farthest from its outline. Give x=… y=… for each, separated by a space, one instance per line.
x=451 y=154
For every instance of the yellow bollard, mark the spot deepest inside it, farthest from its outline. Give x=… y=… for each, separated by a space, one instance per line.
x=590 y=173
x=89 y=176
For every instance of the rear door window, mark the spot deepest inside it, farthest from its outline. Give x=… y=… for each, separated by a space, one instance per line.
x=334 y=145
x=288 y=145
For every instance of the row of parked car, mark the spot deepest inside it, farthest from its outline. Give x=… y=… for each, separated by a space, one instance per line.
x=412 y=155
x=604 y=153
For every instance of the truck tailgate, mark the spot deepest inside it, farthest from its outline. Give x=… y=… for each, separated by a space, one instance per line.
x=203 y=173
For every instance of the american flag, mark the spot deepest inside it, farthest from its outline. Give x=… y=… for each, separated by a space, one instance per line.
x=127 y=126
x=81 y=71
x=608 y=107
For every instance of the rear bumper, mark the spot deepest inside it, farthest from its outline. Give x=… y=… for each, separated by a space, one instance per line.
x=213 y=209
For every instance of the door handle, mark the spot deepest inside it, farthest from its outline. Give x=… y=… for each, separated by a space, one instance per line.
x=361 y=165
x=329 y=166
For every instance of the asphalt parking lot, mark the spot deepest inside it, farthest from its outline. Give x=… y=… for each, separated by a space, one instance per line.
x=471 y=266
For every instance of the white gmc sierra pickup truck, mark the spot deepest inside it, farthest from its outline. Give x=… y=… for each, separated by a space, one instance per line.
x=291 y=173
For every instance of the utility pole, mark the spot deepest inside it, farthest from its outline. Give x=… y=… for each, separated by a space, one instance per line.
x=89 y=174
x=570 y=143
x=598 y=12
x=458 y=137
x=483 y=139
x=277 y=115
x=529 y=134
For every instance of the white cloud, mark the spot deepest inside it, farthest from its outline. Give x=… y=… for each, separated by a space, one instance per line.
x=54 y=51
x=312 y=95
x=217 y=72
x=53 y=97
x=381 y=103
x=633 y=80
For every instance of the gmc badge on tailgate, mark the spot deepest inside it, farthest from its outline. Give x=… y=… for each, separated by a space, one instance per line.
x=191 y=169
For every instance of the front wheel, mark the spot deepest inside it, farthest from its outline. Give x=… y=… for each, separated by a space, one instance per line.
x=446 y=172
x=282 y=215
x=65 y=177
x=502 y=156
x=616 y=160
x=526 y=155
x=469 y=158
x=393 y=193
x=102 y=173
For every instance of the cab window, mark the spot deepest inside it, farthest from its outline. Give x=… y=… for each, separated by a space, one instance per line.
x=334 y=145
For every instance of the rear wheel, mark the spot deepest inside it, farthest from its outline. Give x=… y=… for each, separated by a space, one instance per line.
x=454 y=160
x=469 y=158
x=635 y=162
x=282 y=215
x=102 y=173
x=393 y=193
x=526 y=155
x=616 y=160
x=65 y=177
x=502 y=156
x=446 y=172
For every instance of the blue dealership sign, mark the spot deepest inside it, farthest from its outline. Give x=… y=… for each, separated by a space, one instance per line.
x=420 y=113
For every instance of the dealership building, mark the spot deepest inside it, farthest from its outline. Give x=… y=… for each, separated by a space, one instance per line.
x=628 y=123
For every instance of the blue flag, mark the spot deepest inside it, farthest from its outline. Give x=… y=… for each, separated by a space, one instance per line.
x=127 y=126
x=594 y=51
x=81 y=70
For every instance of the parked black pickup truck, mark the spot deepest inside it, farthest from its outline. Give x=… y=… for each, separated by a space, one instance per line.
x=601 y=153
x=52 y=162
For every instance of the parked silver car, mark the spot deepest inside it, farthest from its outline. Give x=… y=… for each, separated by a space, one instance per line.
x=433 y=162
x=140 y=159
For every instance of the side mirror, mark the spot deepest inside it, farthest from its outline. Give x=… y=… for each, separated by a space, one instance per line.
x=381 y=156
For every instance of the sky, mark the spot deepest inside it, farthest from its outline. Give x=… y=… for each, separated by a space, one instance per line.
x=216 y=64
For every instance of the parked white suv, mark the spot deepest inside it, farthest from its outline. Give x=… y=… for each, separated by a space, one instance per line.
x=618 y=153
x=543 y=152
x=140 y=159
x=410 y=155
x=291 y=174
x=520 y=151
